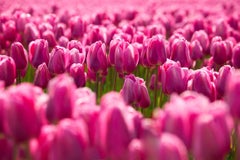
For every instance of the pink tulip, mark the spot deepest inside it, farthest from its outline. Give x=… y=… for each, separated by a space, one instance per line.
x=78 y=74
x=19 y=55
x=7 y=70
x=42 y=76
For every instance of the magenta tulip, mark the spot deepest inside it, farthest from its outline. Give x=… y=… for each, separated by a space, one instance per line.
x=7 y=70
x=19 y=55
x=42 y=76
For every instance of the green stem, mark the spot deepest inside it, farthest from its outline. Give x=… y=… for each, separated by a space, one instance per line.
x=18 y=76
x=155 y=89
x=115 y=81
x=96 y=86
x=235 y=139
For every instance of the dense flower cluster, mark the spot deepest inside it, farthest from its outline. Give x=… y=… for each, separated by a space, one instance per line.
x=146 y=83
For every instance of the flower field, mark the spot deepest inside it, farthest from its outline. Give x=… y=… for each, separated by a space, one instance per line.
x=119 y=80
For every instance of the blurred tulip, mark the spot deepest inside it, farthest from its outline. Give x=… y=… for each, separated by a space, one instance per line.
x=21 y=109
x=19 y=55
x=136 y=150
x=202 y=37
x=77 y=26
x=221 y=29
x=9 y=30
x=49 y=36
x=232 y=93
x=219 y=52
x=61 y=98
x=6 y=149
x=7 y=70
x=38 y=52
x=58 y=61
x=97 y=57
x=78 y=74
x=42 y=76
x=76 y=56
x=156 y=52
x=208 y=144
x=173 y=77
x=236 y=56
x=70 y=141
x=180 y=52
x=31 y=33
x=196 y=50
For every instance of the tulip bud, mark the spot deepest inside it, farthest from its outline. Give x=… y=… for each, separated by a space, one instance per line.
x=180 y=52
x=9 y=31
x=38 y=52
x=219 y=52
x=49 y=36
x=59 y=30
x=7 y=70
x=77 y=26
x=221 y=80
x=236 y=56
x=42 y=76
x=196 y=50
x=202 y=37
x=201 y=83
x=97 y=57
x=207 y=142
x=107 y=135
x=70 y=141
x=19 y=55
x=171 y=147
x=76 y=44
x=61 y=98
x=58 y=60
x=173 y=77
x=136 y=150
x=21 y=109
x=221 y=29
x=232 y=93
x=31 y=33
x=156 y=52
x=63 y=41
x=78 y=74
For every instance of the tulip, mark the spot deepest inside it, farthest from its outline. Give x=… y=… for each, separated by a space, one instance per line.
x=173 y=77
x=7 y=70
x=136 y=150
x=38 y=52
x=201 y=83
x=107 y=135
x=156 y=51
x=219 y=52
x=9 y=30
x=19 y=55
x=221 y=29
x=76 y=44
x=221 y=80
x=236 y=56
x=232 y=94
x=49 y=36
x=42 y=76
x=58 y=61
x=196 y=50
x=208 y=144
x=171 y=148
x=202 y=37
x=21 y=19
x=97 y=58
x=77 y=26
x=22 y=109
x=76 y=57
x=78 y=74
x=59 y=30
x=63 y=41
x=180 y=52
x=61 y=98
x=31 y=33
x=70 y=141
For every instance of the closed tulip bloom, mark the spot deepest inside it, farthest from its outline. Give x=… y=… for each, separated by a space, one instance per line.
x=49 y=36
x=7 y=70
x=21 y=20
x=232 y=93
x=141 y=93
x=221 y=29
x=76 y=57
x=180 y=52
x=21 y=109
x=112 y=48
x=97 y=57
x=108 y=135
x=58 y=61
x=156 y=51
x=61 y=98
x=38 y=52
x=208 y=143
x=76 y=44
x=9 y=30
x=70 y=141
x=42 y=76
x=221 y=80
x=202 y=37
x=219 y=52
x=127 y=91
x=201 y=83
x=31 y=33
x=236 y=56
x=78 y=74
x=171 y=148
x=196 y=50
x=173 y=77
x=19 y=55
x=136 y=150
x=77 y=26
